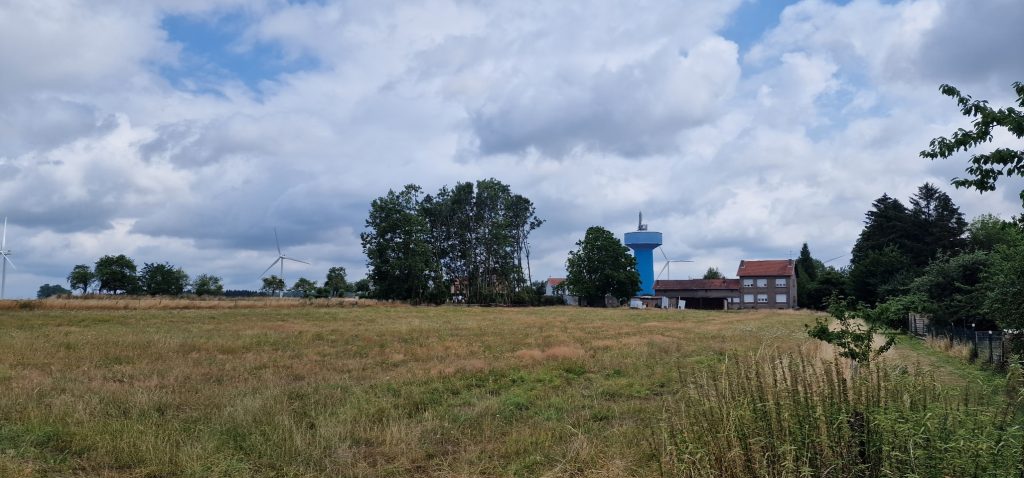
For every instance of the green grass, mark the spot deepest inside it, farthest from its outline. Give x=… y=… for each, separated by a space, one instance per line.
x=375 y=391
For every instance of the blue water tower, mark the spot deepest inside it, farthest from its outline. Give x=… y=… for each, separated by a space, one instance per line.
x=643 y=243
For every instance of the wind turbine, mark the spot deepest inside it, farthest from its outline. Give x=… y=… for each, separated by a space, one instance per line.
x=668 y=264
x=280 y=261
x=4 y=253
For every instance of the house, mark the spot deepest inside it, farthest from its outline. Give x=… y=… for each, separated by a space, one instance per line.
x=552 y=284
x=767 y=284
x=551 y=288
x=713 y=294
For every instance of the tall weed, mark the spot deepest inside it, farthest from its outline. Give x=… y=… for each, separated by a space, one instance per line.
x=789 y=415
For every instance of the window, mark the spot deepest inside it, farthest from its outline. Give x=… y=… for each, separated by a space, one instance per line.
x=762 y=298
x=748 y=298
x=780 y=299
x=780 y=282
x=748 y=282
x=762 y=282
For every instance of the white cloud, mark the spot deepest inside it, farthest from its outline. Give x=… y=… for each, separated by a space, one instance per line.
x=592 y=110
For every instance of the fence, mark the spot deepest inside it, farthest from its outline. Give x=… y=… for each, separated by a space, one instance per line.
x=992 y=346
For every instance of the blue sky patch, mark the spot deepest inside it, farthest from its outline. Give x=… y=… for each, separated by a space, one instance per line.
x=212 y=53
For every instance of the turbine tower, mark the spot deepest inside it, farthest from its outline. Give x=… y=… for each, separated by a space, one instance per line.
x=280 y=261
x=4 y=253
x=643 y=243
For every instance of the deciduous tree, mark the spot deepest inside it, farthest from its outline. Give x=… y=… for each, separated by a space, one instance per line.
x=272 y=285
x=116 y=273
x=207 y=284
x=47 y=290
x=305 y=287
x=398 y=255
x=162 y=279
x=336 y=283
x=81 y=277
x=713 y=273
x=601 y=265
x=984 y=168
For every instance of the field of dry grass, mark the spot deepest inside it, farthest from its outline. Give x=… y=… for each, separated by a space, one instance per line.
x=361 y=391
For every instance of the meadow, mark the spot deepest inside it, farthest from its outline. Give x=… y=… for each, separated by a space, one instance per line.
x=466 y=391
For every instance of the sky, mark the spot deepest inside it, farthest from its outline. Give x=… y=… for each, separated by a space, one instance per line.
x=185 y=131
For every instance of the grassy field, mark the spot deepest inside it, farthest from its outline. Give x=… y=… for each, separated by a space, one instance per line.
x=374 y=391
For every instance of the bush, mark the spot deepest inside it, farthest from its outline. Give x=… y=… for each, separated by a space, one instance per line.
x=893 y=312
x=550 y=300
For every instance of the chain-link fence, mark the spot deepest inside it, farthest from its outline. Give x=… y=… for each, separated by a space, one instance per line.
x=992 y=346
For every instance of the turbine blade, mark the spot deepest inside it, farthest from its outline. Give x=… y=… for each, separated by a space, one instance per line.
x=3 y=243
x=272 y=264
x=276 y=241
x=662 y=249
x=8 y=259
x=296 y=260
x=661 y=271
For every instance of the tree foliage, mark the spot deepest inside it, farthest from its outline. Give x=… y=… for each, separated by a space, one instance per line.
x=713 y=273
x=984 y=168
x=396 y=243
x=48 y=290
x=479 y=234
x=897 y=243
x=853 y=337
x=272 y=285
x=471 y=238
x=336 y=283
x=601 y=265
x=816 y=283
x=880 y=274
x=305 y=287
x=362 y=287
x=937 y=225
x=162 y=279
x=207 y=284
x=116 y=274
x=806 y=268
x=1003 y=288
x=81 y=277
x=987 y=232
x=950 y=286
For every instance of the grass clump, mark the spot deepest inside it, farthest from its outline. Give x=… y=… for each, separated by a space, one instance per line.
x=787 y=415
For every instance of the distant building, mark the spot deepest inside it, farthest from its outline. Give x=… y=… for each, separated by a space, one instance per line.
x=714 y=294
x=552 y=284
x=767 y=284
x=551 y=288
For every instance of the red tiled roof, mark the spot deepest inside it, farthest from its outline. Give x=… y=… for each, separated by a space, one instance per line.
x=697 y=284
x=765 y=268
x=553 y=281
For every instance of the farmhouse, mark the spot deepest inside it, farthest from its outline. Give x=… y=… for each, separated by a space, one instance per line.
x=551 y=286
x=767 y=284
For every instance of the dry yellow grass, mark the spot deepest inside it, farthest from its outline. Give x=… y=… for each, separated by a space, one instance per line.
x=354 y=391
x=116 y=302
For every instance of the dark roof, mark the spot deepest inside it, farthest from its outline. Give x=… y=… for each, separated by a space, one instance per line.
x=697 y=284
x=765 y=268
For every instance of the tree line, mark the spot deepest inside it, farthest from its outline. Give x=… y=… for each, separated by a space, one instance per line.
x=118 y=274
x=926 y=257
x=468 y=243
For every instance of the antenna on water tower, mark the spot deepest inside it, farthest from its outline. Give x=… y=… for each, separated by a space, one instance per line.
x=640 y=226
